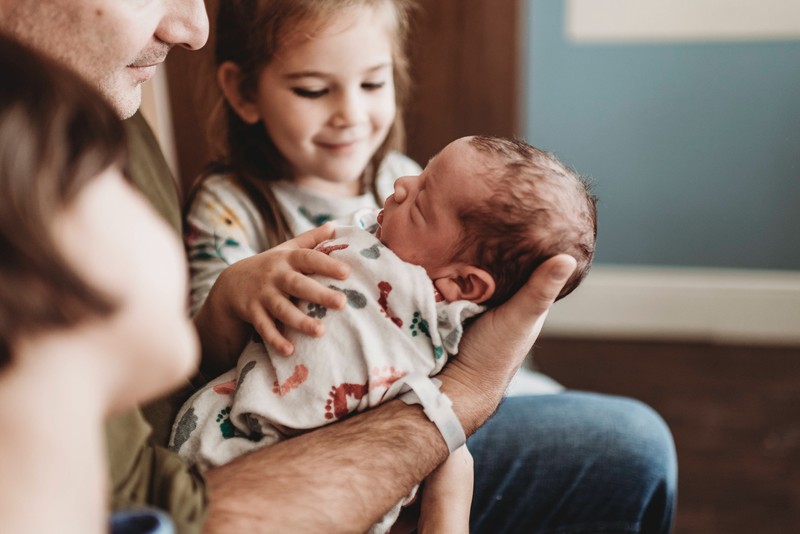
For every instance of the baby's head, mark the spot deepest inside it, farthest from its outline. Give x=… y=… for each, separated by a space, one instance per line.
x=487 y=211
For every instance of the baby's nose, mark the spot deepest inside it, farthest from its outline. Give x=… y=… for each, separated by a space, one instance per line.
x=400 y=189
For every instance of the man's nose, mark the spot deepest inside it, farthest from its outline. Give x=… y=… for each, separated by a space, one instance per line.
x=185 y=23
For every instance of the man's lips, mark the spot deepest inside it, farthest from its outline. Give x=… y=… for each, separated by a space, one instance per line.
x=144 y=71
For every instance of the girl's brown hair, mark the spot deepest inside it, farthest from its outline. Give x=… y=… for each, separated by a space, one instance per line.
x=250 y=33
x=56 y=134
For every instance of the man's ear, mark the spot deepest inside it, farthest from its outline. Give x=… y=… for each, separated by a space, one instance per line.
x=229 y=79
x=466 y=282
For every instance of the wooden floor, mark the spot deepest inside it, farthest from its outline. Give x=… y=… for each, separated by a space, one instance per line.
x=734 y=413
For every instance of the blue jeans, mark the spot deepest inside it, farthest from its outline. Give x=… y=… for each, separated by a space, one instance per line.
x=573 y=463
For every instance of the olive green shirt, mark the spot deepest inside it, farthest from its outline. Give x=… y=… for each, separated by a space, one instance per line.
x=143 y=472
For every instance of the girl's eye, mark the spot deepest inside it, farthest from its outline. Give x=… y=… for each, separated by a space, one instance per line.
x=309 y=93
x=372 y=86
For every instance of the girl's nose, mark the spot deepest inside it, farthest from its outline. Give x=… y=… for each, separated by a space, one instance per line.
x=350 y=109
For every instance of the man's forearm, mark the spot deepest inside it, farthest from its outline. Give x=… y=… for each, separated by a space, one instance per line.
x=340 y=478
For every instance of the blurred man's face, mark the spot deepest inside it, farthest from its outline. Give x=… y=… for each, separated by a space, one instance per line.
x=115 y=44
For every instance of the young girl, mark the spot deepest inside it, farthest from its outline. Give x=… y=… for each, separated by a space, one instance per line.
x=314 y=92
x=306 y=85
x=313 y=98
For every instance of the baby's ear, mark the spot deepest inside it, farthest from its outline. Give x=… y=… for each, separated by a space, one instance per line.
x=466 y=282
x=229 y=79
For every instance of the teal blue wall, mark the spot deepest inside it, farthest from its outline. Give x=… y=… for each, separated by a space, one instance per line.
x=694 y=148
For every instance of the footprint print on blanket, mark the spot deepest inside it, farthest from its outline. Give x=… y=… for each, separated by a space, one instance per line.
x=383 y=301
x=185 y=428
x=372 y=252
x=226 y=388
x=418 y=324
x=224 y=421
x=317 y=311
x=384 y=377
x=331 y=248
x=336 y=405
x=354 y=298
x=229 y=388
x=299 y=376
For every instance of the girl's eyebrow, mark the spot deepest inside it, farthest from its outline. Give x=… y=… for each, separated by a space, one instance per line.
x=319 y=74
x=305 y=74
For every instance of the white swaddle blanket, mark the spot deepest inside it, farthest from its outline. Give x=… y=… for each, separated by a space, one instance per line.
x=392 y=326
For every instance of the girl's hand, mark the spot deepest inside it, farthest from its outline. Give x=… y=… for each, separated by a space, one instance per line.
x=447 y=495
x=259 y=289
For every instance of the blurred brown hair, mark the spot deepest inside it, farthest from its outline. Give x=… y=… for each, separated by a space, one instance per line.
x=56 y=134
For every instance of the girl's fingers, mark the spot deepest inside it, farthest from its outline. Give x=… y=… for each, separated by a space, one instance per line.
x=312 y=238
x=305 y=288
x=270 y=334
x=285 y=311
x=316 y=262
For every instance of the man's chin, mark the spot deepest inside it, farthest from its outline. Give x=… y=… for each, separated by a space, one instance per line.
x=125 y=102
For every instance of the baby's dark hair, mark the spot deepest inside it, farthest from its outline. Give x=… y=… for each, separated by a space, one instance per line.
x=539 y=208
x=56 y=135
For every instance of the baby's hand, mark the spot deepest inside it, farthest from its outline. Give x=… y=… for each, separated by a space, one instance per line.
x=447 y=495
x=260 y=288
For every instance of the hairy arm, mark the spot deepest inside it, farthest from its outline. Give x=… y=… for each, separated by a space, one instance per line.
x=343 y=477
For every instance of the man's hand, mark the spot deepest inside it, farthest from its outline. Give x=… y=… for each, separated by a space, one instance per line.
x=494 y=347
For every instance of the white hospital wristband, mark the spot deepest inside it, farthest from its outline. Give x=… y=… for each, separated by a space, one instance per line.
x=437 y=406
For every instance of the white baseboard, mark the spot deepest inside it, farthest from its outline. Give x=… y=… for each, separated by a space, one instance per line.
x=686 y=304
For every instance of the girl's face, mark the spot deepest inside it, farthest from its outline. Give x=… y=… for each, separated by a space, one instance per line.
x=119 y=245
x=328 y=102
